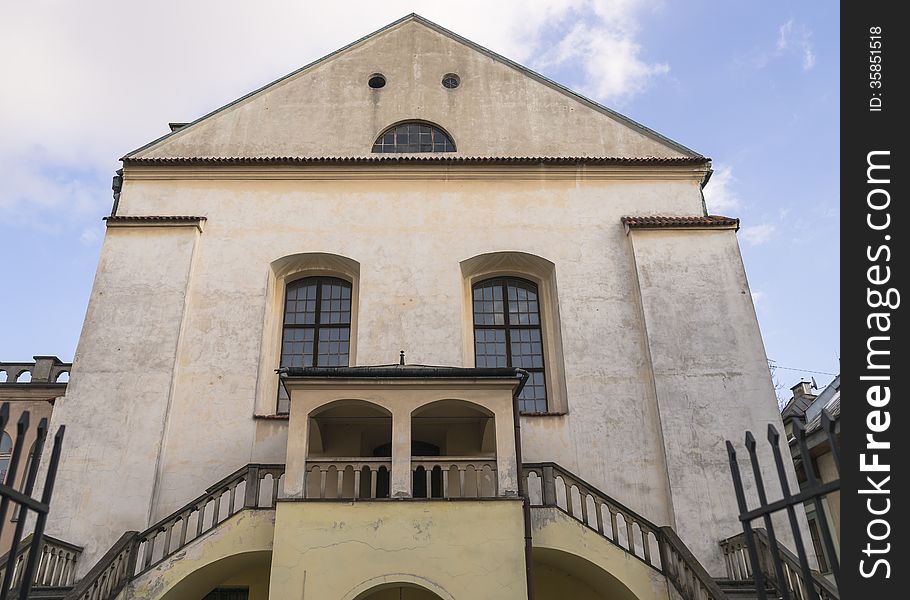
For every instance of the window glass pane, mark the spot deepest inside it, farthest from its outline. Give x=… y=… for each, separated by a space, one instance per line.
x=507 y=334
x=533 y=397
x=317 y=318
x=414 y=137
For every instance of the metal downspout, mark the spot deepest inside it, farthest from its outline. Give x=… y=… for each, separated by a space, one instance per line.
x=525 y=500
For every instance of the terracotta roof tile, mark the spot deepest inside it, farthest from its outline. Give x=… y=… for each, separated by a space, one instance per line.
x=153 y=219
x=419 y=159
x=659 y=222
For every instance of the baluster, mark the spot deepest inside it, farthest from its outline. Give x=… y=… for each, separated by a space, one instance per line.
x=569 y=508
x=251 y=493
x=200 y=517
x=445 y=481
x=428 y=473
x=357 y=474
x=548 y=487
x=645 y=543
x=216 y=506
x=231 y=491
x=150 y=548
x=461 y=481
x=598 y=514
x=374 y=475
x=613 y=528
x=630 y=536
x=167 y=539
x=274 y=501
x=339 y=481
x=583 y=496
x=183 y=525
x=322 y=476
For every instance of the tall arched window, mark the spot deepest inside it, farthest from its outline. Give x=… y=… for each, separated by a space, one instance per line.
x=317 y=326
x=6 y=449
x=414 y=137
x=507 y=334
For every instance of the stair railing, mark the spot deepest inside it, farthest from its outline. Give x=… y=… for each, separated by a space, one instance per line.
x=550 y=485
x=739 y=567
x=56 y=563
x=135 y=553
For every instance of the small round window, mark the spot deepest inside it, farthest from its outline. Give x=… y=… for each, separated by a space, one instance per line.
x=451 y=81
x=377 y=80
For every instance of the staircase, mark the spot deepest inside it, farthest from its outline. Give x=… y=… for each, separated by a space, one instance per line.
x=549 y=485
x=779 y=568
x=256 y=486
x=744 y=589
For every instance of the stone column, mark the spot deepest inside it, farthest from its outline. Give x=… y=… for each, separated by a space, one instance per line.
x=298 y=441
x=506 y=464
x=400 y=486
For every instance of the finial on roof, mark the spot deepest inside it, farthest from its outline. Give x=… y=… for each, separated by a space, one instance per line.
x=401 y=357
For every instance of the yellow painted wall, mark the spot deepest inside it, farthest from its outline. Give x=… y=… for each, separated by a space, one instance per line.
x=236 y=553
x=573 y=551
x=338 y=551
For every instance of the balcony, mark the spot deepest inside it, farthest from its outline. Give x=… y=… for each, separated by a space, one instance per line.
x=401 y=432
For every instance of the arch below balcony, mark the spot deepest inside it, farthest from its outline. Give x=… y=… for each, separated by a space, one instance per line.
x=379 y=588
x=559 y=574
x=237 y=553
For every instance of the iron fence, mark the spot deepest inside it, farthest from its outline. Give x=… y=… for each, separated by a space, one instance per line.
x=768 y=562
x=19 y=575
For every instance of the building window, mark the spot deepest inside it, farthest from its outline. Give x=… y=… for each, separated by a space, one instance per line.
x=6 y=449
x=317 y=326
x=507 y=333
x=414 y=137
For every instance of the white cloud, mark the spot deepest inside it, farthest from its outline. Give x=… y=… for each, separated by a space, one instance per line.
x=720 y=197
x=85 y=83
x=796 y=38
x=758 y=297
x=756 y=235
x=607 y=49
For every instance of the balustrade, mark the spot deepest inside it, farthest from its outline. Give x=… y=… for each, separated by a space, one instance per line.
x=56 y=563
x=253 y=486
x=739 y=567
x=353 y=478
x=453 y=477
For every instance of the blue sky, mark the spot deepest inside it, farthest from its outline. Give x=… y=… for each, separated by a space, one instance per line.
x=752 y=85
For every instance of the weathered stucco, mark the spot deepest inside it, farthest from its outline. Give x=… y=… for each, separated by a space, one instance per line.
x=328 y=108
x=571 y=553
x=710 y=375
x=431 y=543
x=653 y=350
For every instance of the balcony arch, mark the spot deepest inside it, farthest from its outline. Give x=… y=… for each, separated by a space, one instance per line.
x=463 y=434
x=344 y=450
x=281 y=272
x=423 y=588
x=542 y=273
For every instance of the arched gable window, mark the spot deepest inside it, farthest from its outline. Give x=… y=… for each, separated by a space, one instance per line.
x=414 y=137
x=6 y=450
x=317 y=326
x=507 y=334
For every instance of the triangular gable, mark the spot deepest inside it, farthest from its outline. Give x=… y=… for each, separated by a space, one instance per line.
x=326 y=108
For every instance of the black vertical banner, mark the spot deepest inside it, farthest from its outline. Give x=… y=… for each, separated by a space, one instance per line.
x=875 y=424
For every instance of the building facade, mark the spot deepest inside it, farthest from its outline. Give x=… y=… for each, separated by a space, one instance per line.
x=411 y=322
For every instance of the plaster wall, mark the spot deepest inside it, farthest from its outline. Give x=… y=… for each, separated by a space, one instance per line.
x=194 y=388
x=124 y=375
x=565 y=545
x=433 y=544
x=236 y=553
x=710 y=376
x=328 y=108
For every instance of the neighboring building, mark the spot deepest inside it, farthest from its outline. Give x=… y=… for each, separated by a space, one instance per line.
x=808 y=408
x=410 y=192
x=32 y=387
